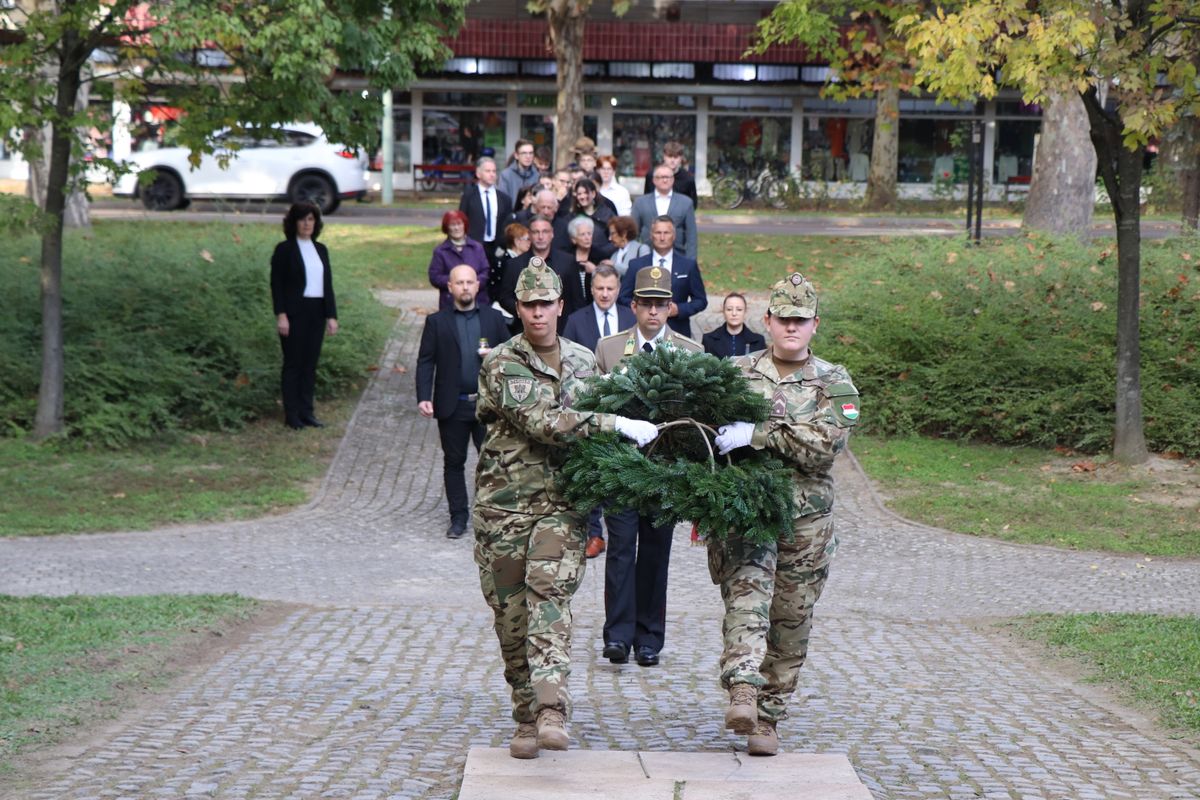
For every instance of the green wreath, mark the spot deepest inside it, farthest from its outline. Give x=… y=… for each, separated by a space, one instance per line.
x=679 y=476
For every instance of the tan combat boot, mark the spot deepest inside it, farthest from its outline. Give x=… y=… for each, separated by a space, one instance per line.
x=742 y=713
x=552 y=729
x=524 y=742
x=764 y=741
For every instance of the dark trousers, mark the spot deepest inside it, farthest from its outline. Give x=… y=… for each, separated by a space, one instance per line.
x=301 y=352
x=456 y=431
x=595 y=526
x=635 y=580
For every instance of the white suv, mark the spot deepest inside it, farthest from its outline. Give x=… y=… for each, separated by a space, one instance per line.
x=302 y=166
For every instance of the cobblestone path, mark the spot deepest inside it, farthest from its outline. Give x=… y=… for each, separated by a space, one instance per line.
x=376 y=686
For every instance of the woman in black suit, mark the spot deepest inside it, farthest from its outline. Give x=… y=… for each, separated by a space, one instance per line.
x=305 y=308
x=733 y=338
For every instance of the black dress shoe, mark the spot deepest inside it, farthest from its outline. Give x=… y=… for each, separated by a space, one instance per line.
x=616 y=652
x=647 y=657
x=456 y=530
x=313 y=422
x=294 y=425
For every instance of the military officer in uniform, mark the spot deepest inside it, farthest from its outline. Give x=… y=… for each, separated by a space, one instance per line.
x=769 y=590
x=529 y=542
x=639 y=552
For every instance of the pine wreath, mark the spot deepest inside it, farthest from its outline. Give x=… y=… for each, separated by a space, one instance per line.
x=679 y=477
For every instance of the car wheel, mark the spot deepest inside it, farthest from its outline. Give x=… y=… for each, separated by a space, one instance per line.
x=164 y=193
x=317 y=190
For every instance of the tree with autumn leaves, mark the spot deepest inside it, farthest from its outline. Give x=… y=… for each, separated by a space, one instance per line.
x=1132 y=63
x=278 y=61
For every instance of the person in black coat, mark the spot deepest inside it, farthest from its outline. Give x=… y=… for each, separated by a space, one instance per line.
x=305 y=309
x=733 y=338
x=487 y=208
x=685 y=182
x=453 y=345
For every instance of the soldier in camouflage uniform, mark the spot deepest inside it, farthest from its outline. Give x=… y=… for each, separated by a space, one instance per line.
x=769 y=590
x=528 y=541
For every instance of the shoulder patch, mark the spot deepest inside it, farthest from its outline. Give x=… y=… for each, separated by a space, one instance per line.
x=843 y=403
x=518 y=390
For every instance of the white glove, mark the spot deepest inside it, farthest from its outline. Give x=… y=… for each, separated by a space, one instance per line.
x=639 y=430
x=733 y=436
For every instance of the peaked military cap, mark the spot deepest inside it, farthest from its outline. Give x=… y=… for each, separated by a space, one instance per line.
x=794 y=296
x=538 y=282
x=652 y=282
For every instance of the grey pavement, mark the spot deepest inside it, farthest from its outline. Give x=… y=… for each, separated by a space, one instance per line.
x=742 y=221
x=387 y=672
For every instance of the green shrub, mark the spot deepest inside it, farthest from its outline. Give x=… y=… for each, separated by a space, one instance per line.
x=168 y=327
x=1015 y=341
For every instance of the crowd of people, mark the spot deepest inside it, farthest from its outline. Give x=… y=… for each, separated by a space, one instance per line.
x=545 y=280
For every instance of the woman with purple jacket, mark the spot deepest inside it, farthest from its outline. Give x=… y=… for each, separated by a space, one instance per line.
x=457 y=249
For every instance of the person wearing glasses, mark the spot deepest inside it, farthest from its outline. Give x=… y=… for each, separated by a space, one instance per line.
x=521 y=171
x=639 y=552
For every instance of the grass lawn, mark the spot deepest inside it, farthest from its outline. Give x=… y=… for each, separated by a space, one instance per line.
x=1153 y=659
x=260 y=470
x=66 y=661
x=1034 y=496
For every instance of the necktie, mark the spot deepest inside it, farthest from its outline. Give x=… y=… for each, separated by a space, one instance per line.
x=648 y=348
x=488 y=236
x=662 y=261
x=607 y=330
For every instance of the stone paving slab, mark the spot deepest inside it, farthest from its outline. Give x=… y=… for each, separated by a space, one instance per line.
x=389 y=673
x=491 y=774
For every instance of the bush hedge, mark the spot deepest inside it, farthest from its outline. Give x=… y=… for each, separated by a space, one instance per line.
x=168 y=327
x=1015 y=341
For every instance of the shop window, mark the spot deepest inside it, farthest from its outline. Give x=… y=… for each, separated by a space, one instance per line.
x=673 y=70
x=749 y=103
x=655 y=102
x=934 y=150
x=1015 y=143
x=539 y=129
x=744 y=145
x=530 y=100
x=638 y=139
x=466 y=99
x=401 y=146
x=460 y=137
x=837 y=148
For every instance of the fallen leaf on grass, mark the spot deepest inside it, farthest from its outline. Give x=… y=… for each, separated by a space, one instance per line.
x=1083 y=466
x=207 y=256
x=1098 y=306
x=758 y=248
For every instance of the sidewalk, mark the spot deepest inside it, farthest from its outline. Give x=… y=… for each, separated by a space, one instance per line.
x=388 y=672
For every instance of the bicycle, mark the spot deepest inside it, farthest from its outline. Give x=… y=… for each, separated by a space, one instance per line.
x=731 y=191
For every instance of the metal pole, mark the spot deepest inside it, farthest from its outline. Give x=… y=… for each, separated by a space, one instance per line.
x=389 y=138
x=977 y=135
x=970 y=177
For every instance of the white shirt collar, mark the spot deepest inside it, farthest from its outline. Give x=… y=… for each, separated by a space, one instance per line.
x=655 y=259
x=656 y=341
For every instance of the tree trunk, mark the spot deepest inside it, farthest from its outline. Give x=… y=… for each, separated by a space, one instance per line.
x=1121 y=169
x=1183 y=156
x=1063 y=191
x=885 y=151
x=567 y=22
x=49 y=418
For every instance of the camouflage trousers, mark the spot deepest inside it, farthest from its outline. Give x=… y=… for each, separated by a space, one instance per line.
x=769 y=592
x=529 y=568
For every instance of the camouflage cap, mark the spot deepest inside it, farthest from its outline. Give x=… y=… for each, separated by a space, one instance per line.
x=794 y=296
x=538 y=282
x=652 y=282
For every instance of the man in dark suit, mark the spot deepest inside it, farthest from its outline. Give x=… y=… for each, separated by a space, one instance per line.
x=639 y=552
x=487 y=208
x=664 y=201
x=688 y=296
x=453 y=345
x=685 y=182
x=541 y=238
x=601 y=317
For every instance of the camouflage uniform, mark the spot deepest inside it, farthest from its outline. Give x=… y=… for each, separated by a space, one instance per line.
x=769 y=590
x=528 y=542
